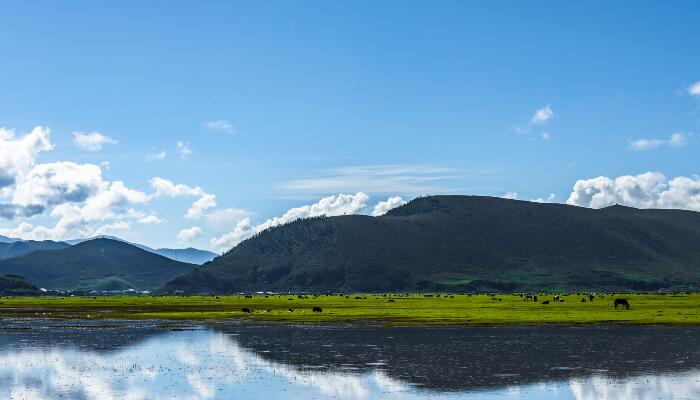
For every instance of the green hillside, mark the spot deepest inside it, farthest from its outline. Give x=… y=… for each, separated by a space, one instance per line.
x=465 y=243
x=99 y=264
x=13 y=285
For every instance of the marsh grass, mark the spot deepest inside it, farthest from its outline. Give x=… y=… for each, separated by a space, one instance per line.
x=386 y=309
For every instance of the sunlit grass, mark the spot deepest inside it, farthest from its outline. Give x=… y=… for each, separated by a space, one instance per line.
x=386 y=309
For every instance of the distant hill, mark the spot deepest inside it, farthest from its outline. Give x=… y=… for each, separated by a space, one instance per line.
x=5 y=239
x=13 y=285
x=465 y=243
x=188 y=255
x=99 y=264
x=20 y=248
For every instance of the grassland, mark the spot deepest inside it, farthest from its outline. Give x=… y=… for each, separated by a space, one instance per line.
x=383 y=309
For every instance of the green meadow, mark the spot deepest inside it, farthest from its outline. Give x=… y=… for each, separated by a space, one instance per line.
x=384 y=309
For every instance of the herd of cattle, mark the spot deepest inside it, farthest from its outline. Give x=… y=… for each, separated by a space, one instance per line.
x=622 y=303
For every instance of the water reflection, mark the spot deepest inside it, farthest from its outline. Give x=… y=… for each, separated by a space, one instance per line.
x=143 y=360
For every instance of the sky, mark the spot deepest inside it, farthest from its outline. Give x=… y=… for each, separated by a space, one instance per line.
x=177 y=124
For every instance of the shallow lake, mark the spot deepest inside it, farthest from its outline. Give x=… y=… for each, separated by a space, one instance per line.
x=161 y=360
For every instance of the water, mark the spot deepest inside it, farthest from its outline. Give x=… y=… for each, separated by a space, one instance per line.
x=158 y=360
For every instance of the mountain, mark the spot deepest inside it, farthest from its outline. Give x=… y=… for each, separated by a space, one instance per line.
x=465 y=243
x=188 y=255
x=5 y=239
x=99 y=264
x=13 y=285
x=20 y=248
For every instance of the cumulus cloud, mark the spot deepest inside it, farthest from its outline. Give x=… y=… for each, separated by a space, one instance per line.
x=226 y=217
x=93 y=141
x=156 y=156
x=183 y=149
x=694 y=89
x=647 y=190
x=510 y=195
x=383 y=207
x=538 y=119
x=82 y=201
x=196 y=211
x=677 y=139
x=164 y=187
x=548 y=199
x=189 y=234
x=339 y=204
x=220 y=125
x=645 y=144
x=150 y=219
x=56 y=183
x=18 y=154
x=542 y=115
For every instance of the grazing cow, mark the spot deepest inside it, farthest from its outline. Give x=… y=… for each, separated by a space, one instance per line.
x=290 y=310
x=545 y=302
x=317 y=309
x=248 y=296
x=622 y=302
x=556 y=298
x=246 y=310
x=527 y=297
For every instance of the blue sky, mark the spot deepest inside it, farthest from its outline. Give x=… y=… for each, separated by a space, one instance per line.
x=279 y=105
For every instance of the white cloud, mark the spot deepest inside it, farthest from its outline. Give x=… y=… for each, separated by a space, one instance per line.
x=196 y=211
x=383 y=207
x=81 y=200
x=165 y=187
x=56 y=183
x=542 y=115
x=329 y=206
x=539 y=118
x=151 y=219
x=93 y=141
x=156 y=156
x=108 y=229
x=187 y=235
x=645 y=144
x=221 y=125
x=397 y=179
x=183 y=149
x=510 y=195
x=226 y=217
x=548 y=199
x=677 y=139
x=694 y=89
x=17 y=155
x=648 y=190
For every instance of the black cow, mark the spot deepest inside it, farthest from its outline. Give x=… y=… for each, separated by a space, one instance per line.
x=622 y=302
x=246 y=310
x=545 y=302
x=317 y=309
